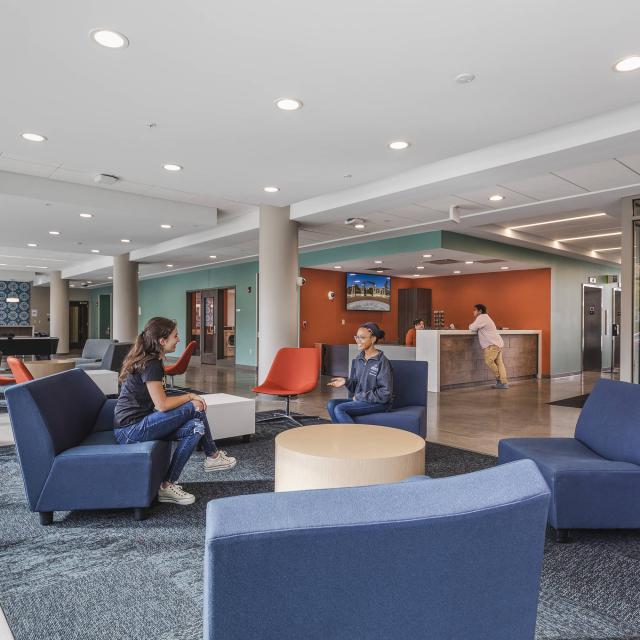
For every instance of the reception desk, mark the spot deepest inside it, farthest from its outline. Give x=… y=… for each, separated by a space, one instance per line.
x=456 y=359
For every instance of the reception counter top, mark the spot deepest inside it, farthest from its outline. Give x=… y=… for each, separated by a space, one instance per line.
x=456 y=359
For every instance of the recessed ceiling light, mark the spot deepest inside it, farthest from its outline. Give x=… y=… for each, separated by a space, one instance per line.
x=416 y=275
x=72 y=285
x=169 y=265
x=398 y=145
x=34 y=137
x=468 y=261
x=3 y=264
x=89 y=281
x=427 y=255
x=359 y=225
x=337 y=266
x=288 y=104
x=608 y=249
x=272 y=189
x=35 y=266
x=379 y=271
x=465 y=78
x=504 y=268
x=496 y=197
x=109 y=39
x=172 y=167
x=377 y=262
x=596 y=235
x=86 y=215
x=54 y=233
x=213 y=257
x=166 y=226
x=31 y=244
x=539 y=224
x=109 y=277
x=420 y=267
x=95 y=250
x=456 y=272
x=631 y=63
x=125 y=240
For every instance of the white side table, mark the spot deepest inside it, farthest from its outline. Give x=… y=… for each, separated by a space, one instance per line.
x=106 y=380
x=230 y=416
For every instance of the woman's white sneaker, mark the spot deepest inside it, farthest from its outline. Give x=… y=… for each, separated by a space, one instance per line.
x=176 y=494
x=220 y=463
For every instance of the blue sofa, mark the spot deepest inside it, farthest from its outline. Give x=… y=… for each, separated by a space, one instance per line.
x=595 y=476
x=457 y=557
x=409 y=409
x=63 y=429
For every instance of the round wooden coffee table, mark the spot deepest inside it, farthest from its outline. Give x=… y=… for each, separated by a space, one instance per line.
x=345 y=455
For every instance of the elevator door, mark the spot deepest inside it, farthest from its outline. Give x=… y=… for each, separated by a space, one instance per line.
x=592 y=329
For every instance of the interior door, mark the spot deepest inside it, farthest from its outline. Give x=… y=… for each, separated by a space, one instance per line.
x=591 y=328
x=78 y=323
x=104 y=316
x=615 y=333
x=208 y=325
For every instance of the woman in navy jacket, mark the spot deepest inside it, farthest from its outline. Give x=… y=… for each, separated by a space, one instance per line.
x=370 y=382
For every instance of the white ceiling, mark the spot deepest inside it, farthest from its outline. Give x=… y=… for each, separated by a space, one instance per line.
x=546 y=123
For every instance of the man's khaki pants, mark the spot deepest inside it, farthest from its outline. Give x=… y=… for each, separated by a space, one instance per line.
x=493 y=360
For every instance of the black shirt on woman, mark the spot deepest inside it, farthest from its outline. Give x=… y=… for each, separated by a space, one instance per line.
x=134 y=402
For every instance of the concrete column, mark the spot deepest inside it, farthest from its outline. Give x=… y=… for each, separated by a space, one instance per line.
x=125 y=299
x=59 y=310
x=278 y=295
x=628 y=287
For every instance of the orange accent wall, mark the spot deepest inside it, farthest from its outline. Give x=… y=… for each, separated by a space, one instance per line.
x=514 y=299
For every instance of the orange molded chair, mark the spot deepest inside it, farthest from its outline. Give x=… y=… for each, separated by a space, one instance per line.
x=292 y=373
x=181 y=364
x=20 y=372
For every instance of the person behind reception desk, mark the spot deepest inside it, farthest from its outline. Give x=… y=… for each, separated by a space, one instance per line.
x=370 y=382
x=491 y=344
x=410 y=338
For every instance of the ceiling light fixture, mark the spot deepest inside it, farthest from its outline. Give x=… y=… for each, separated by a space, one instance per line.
x=172 y=167
x=213 y=257
x=89 y=281
x=288 y=104
x=399 y=145
x=95 y=250
x=416 y=275
x=456 y=272
x=337 y=266
x=109 y=277
x=125 y=240
x=12 y=298
x=539 y=224
x=169 y=265
x=359 y=226
x=420 y=267
x=596 y=235
x=608 y=249
x=468 y=261
x=34 y=137
x=110 y=39
x=272 y=189
x=465 y=78
x=427 y=255
x=54 y=233
x=379 y=271
x=630 y=63
x=166 y=226
x=377 y=262
x=504 y=268
x=31 y=244
x=86 y=215
x=496 y=197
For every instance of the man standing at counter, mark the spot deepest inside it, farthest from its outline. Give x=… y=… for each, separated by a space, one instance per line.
x=491 y=344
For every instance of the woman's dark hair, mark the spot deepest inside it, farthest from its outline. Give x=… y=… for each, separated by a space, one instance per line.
x=417 y=321
x=481 y=308
x=376 y=331
x=147 y=346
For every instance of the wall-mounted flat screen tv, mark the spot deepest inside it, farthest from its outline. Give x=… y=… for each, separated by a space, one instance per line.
x=366 y=292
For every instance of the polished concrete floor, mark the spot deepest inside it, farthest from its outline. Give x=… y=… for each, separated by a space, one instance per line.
x=473 y=418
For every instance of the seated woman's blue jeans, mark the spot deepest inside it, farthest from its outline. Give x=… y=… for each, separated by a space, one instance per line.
x=344 y=410
x=185 y=425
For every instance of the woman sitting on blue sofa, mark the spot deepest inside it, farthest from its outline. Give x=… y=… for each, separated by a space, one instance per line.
x=370 y=382
x=144 y=411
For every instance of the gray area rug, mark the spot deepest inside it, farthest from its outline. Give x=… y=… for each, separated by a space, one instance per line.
x=102 y=575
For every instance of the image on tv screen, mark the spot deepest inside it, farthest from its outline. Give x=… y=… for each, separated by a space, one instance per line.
x=368 y=293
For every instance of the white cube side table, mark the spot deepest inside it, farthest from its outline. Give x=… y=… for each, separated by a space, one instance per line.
x=106 y=380
x=230 y=416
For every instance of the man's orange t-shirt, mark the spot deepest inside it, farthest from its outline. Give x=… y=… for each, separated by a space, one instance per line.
x=410 y=338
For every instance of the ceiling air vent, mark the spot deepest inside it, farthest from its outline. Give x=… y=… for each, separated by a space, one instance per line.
x=490 y=261
x=445 y=261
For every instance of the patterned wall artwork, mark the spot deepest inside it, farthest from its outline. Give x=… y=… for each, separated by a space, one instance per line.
x=15 y=313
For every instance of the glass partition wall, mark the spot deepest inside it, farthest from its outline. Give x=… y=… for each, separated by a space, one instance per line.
x=636 y=292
